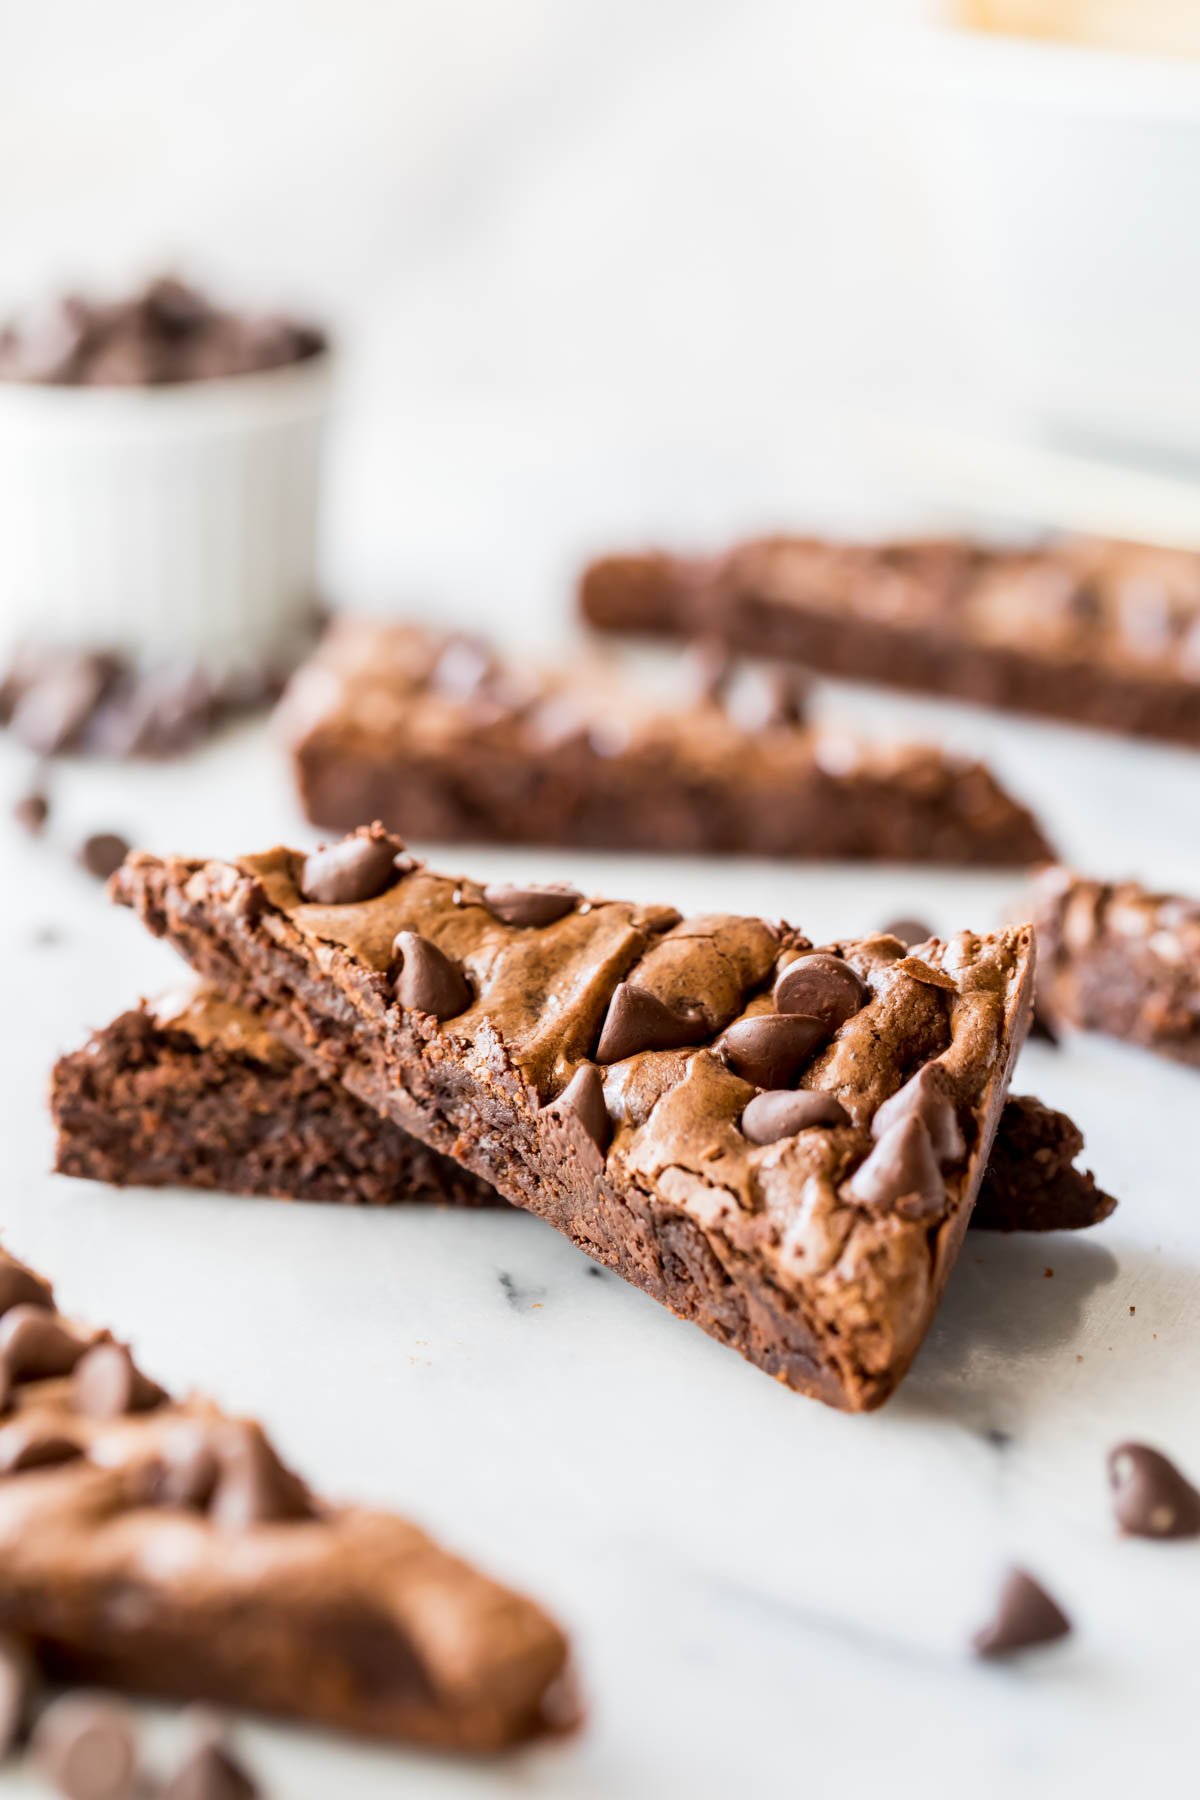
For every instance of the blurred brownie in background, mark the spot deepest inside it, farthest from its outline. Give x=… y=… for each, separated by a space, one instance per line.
x=1100 y=633
x=441 y=740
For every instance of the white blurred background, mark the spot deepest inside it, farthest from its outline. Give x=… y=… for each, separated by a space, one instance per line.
x=607 y=269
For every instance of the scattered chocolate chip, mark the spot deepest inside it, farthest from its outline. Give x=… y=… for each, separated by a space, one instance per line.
x=909 y=931
x=926 y=1097
x=1025 y=1616
x=253 y=1486
x=184 y=1470
x=102 y=854
x=31 y=812
x=901 y=1174
x=783 y=1112
x=358 y=868
x=108 y=1384
x=638 y=1020
x=18 y=1681
x=21 y=1287
x=211 y=1772
x=86 y=1749
x=426 y=979
x=529 y=905
x=1151 y=1497
x=24 y=1444
x=824 y=987
x=770 y=1049
x=582 y=1100
x=35 y=1344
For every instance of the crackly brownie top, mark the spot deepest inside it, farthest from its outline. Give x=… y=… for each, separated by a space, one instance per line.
x=378 y=690
x=820 y=1109
x=1080 y=599
x=105 y=1479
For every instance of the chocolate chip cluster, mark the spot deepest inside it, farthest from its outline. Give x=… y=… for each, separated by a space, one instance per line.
x=168 y=332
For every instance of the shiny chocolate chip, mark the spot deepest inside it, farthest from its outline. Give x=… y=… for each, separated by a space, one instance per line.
x=770 y=1049
x=86 y=1749
x=35 y=1344
x=581 y=1105
x=426 y=979
x=901 y=1174
x=358 y=868
x=107 y=1384
x=21 y=1287
x=102 y=854
x=1151 y=1497
x=253 y=1485
x=782 y=1112
x=1025 y=1616
x=26 y=1444
x=211 y=1772
x=638 y=1020
x=529 y=905
x=925 y=1097
x=31 y=811
x=824 y=987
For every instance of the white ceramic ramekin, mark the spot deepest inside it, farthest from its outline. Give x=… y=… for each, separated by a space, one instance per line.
x=170 y=523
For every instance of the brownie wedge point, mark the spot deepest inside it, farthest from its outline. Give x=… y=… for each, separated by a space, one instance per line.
x=780 y=1143
x=160 y=1546
x=191 y=1091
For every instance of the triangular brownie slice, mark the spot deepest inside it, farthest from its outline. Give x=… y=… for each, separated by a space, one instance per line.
x=783 y=1144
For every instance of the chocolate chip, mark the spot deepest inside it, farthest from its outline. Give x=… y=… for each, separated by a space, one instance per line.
x=926 y=1097
x=1025 y=1616
x=529 y=905
x=426 y=979
x=35 y=1344
x=582 y=1102
x=909 y=931
x=901 y=1174
x=24 y=1444
x=824 y=987
x=210 y=1772
x=253 y=1486
x=21 y=1287
x=184 y=1470
x=638 y=1020
x=86 y=1749
x=782 y=1112
x=31 y=812
x=18 y=1681
x=1151 y=1497
x=102 y=854
x=107 y=1384
x=358 y=868
x=770 y=1049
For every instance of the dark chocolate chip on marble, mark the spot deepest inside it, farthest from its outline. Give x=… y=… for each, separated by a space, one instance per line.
x=926 y=1097
x=582 y=1101
x=253 y=1485
x=358 y=868
x=824 y=987
x=783 y=1112
x=107 y=1384
x=26 y=1444
x=1151 y=1497
x=102 y=853
x=426 y=979
x=18 y=1683
x=211 y=1772
x=1025 y=1616
x=31 y=811
x=86 y=1749
x=21 y=1287
x=638 y=1020
x=909 y=931
x=531 y=905
x=36 y=1344
x=770 y=1049
x=901 y=1174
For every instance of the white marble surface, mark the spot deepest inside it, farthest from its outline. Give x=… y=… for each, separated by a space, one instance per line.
x=765 y=1596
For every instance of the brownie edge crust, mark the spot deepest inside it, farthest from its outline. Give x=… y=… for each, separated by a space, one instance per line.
x=596 y=1070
